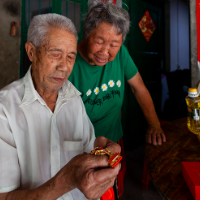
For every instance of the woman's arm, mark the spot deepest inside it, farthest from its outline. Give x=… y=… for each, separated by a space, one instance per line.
x=154 y=132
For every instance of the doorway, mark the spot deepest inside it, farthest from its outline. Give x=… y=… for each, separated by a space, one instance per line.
x=145 y=45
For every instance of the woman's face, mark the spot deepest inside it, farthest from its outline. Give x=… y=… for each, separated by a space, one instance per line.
x=103 y=44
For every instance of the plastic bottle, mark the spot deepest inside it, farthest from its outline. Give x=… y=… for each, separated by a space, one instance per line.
x=193 y=107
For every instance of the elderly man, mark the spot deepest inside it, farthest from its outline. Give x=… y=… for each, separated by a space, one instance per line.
x=44 y=125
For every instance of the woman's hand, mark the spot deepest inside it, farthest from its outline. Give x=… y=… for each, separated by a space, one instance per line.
x=155 y=135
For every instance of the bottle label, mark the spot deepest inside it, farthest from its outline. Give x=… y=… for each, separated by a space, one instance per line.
x=195 y=113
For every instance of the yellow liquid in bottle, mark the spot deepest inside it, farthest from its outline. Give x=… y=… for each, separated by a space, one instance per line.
x=193 y=119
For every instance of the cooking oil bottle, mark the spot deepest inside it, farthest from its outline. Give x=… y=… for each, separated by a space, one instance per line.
x=193 y=107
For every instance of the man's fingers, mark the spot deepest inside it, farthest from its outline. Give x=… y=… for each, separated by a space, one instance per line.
x=114 y=147
x=107 y=186
x=91 y=161
x=99 y=189
x=103 y=187
x=106 y=174
x=106 y=143
x=100 y=141
x=99 y=161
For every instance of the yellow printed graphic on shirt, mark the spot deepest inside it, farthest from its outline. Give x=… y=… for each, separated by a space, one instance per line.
x=111 y=83
x=118 y=83
x=104 y=87
x=96 y=90
x=88 y=93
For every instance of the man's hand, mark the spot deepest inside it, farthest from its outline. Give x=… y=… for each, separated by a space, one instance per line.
x=155 y=135
x=89 y=173
x=106 y=143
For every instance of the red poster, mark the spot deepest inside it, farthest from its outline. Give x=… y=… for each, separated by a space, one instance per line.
x=147 y=25
x=198 y=31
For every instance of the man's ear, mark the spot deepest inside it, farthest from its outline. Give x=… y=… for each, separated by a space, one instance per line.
x=30 y=50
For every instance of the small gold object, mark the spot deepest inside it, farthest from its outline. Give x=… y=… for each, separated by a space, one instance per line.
x=113 y=159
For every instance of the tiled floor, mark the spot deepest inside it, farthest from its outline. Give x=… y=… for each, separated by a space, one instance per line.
x=132 y=188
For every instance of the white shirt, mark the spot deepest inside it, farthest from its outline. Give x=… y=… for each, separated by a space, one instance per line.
x=36 y=143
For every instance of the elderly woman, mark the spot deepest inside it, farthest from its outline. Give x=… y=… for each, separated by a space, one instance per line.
x=102 y=66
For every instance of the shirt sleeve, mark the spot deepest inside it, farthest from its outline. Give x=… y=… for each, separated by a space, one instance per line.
x=9 y=165
x=130 y=69
x=88 y=132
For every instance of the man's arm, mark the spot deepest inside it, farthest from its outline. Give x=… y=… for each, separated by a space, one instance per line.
x=46 y=191
x=81 y=172
x=154 y=132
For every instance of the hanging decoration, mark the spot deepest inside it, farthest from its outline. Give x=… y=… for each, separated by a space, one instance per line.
x=198 y=30
x=147 y=26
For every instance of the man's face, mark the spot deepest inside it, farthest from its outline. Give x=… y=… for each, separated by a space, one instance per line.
x=53 y=61
x=103 y=44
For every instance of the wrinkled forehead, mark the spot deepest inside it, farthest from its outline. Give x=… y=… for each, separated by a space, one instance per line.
x=106 y=27
x=106 y=32
x=58 y=38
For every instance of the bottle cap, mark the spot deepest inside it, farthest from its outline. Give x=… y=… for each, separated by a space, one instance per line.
x=192 y=89
x=192 y=92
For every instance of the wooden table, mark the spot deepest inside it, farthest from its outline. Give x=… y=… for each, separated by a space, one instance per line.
x=164 y=162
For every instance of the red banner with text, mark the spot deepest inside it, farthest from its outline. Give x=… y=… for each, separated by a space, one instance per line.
x=198 y=31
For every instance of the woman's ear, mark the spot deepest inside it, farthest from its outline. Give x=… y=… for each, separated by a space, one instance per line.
x=30 y=50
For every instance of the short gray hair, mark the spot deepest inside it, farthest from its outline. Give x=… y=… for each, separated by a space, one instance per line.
x=106 y=12
x=41 y=24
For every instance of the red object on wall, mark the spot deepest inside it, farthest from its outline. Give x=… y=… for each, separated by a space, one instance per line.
x=198 y=30
x=13 y=29
x=147 y=26
x=191 y=174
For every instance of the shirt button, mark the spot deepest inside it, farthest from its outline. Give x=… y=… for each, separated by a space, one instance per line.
x=54 y=147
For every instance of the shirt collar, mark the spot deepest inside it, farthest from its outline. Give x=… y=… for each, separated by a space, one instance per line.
x=65 y=93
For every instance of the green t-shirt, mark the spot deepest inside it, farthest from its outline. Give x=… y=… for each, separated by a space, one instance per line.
x=102 y=89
